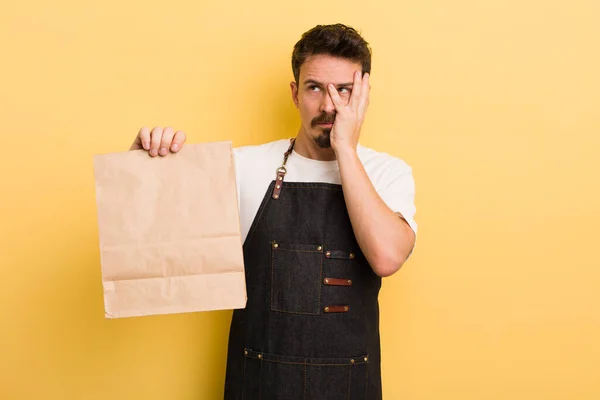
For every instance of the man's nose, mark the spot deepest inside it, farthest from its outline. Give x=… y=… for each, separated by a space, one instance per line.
x=327 y=104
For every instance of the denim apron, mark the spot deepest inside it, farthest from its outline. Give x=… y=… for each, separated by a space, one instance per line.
x=310 y=329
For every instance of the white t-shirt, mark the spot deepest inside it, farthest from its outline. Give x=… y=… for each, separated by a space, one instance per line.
x=256 y=167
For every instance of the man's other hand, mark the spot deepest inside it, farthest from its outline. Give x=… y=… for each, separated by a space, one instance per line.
x=159 y=141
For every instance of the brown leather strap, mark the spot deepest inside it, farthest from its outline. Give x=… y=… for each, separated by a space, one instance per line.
x=278 y=182
x=281 y=171
x=337 y=282
x=336 y=309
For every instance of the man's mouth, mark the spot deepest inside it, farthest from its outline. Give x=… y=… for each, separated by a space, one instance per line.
x=325 y=124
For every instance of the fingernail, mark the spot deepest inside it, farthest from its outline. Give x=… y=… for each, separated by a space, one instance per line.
x=153 y=152
x=175 y=147
x=163 y=151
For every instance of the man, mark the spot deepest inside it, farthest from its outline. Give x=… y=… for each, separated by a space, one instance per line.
x=323 y=220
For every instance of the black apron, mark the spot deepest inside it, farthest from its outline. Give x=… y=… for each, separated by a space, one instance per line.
x=310 y=329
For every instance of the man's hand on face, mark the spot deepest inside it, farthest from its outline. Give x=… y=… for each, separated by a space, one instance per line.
x=349 y=116
x=159 y=141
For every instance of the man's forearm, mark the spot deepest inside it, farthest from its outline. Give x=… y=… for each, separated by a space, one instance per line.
x=384 y=238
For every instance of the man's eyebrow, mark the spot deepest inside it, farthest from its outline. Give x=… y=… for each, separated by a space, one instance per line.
x=312 y=82
x=316 y=83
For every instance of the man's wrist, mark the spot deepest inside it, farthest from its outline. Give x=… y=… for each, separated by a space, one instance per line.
x=346 y=153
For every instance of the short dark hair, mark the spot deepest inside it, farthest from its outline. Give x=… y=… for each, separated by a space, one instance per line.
x=336 y=40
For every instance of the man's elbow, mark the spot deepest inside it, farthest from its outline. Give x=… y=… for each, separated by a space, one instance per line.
x=388 y=259
x=388 y=265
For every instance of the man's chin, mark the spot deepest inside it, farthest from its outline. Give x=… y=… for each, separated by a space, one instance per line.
x=323 y=140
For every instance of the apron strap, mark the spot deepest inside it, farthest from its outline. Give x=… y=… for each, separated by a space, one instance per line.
x=281 y=171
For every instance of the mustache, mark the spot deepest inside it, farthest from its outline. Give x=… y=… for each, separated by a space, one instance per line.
x=324 y=118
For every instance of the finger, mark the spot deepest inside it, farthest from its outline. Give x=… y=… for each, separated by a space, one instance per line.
x=144 y=138
x=165 y=141
x=335 y=97
x=366 y=91
x=178 y=141
x=356 y=88
x=155 y=138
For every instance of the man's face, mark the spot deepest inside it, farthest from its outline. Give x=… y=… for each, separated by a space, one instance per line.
x=312 y=99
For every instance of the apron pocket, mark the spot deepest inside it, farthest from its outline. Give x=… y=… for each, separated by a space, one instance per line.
x=296 y=273
x=274 y=377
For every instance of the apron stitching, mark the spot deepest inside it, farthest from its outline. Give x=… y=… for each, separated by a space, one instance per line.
x=273 y=279
x=305 y=363
x=349 y=380
x=260 y=391
x=244 y=378
x=272 y=273
x=304 y=391
x=300 y=251
x=320 y=280
x=296 y=312
x=367 y=383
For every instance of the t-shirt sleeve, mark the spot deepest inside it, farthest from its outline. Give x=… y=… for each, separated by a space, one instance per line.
x=398 y=193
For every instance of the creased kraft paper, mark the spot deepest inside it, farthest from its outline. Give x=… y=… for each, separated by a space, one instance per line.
x=169 y=231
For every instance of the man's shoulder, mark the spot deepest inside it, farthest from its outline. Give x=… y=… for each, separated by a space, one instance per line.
x=275 y=147
x=253 y=162
x=380 y=161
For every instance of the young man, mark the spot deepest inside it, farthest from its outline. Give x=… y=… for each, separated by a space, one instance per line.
x=323 y=220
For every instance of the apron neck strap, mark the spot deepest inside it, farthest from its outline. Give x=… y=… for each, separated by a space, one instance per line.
x=289 y=151
x=281 y=171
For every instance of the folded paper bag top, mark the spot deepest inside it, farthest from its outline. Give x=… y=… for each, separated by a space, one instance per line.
x=169 y=231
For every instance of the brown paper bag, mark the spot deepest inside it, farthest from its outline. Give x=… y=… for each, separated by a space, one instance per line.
x=169 y=231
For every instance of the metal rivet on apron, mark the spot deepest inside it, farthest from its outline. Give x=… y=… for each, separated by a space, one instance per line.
x=246 y=352
x=326 y=280
x=345 y=308
x=278 y=186
x=280 y=178
x=260 y=356
x=349 y=281
x=320 y=248
x=275 y=245
x=352 y=256
x=328 y=254
x=366 y=358
x=326 y=309
x=352 y=361
x=276 y=196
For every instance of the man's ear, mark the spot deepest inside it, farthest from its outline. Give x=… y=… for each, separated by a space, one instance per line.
x=294 y=87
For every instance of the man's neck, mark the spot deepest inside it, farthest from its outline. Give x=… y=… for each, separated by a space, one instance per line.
x=307 y=147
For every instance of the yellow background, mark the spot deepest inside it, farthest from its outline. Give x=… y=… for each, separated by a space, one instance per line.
x=495 y=104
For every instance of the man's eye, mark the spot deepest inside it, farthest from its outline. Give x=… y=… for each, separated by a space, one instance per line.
x=344 y=90
x=314 y=88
